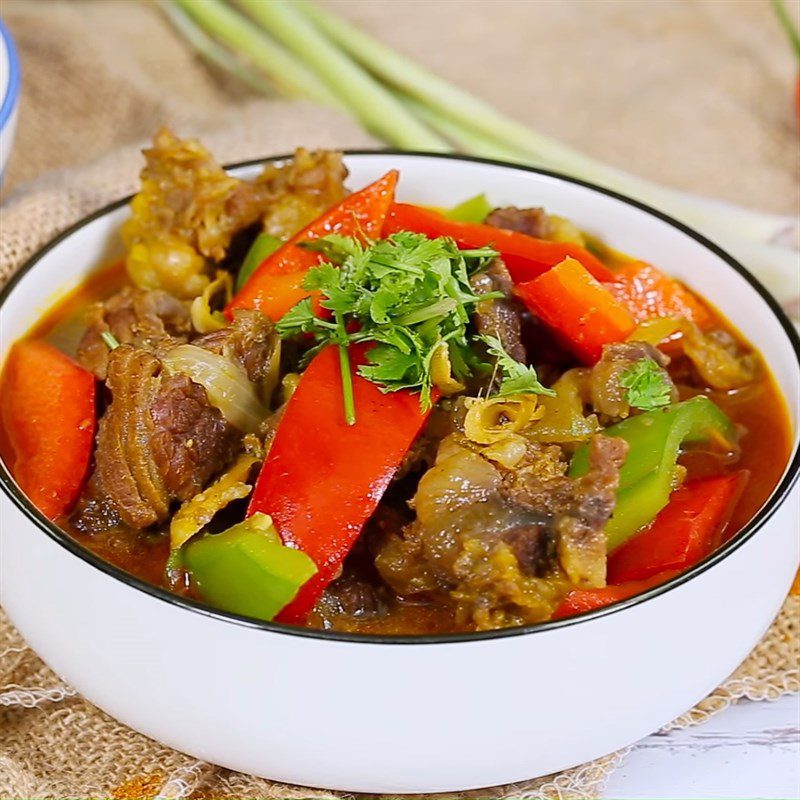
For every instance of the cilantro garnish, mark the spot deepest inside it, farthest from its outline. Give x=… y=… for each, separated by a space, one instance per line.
x=407 y=293
x=647 y=384
x=516 y=378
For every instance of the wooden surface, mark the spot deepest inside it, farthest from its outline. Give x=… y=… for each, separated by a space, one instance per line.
x=750 y=750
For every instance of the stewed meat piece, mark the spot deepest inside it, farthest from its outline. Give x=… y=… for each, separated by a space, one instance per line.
x=577 y=509
x=500 y=317
x=149 y=320
x=608 y=396
x=189 y=209
x=250 y=341
x=159 y=440
x=530 y=221
x=300 y=190
x=505 y=544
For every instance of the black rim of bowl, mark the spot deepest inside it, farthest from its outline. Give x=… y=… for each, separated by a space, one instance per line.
x=747 y=532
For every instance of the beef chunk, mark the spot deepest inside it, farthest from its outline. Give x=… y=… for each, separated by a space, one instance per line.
x=500 y=317
x=577 y=509
x=191 y=440
x=534 y=546
x=505 y=544
x=530 y=221
x=300 y=190
x=607 y=395
x=158 y=441
x=148 y=320
x=250 y=341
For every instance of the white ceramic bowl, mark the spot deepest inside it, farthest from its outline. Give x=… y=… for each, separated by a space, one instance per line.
x=9 y=95
x=415 y=714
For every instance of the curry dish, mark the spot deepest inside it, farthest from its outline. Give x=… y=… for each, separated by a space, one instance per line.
x=310 y=403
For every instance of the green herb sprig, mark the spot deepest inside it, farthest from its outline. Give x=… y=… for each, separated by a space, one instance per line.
x=408 y=294
x=516 y=378
x=647 y=384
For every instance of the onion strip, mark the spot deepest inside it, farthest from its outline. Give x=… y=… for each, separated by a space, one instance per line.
x=226 y=384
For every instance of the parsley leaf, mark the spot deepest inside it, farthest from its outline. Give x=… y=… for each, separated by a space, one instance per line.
x=407 y=293
x=647 y=384
x=300 y=318
x=516 y=378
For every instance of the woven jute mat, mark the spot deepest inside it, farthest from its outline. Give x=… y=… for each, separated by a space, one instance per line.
x=100 y=77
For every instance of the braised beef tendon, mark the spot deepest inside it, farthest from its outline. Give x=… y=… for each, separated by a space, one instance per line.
x=505 y=544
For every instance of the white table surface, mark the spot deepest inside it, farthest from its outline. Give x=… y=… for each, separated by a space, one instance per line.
x=750 y=750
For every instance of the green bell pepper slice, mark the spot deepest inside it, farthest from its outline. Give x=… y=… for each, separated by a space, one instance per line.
x=246 y=569
x=475 y=209
x=647 y=477
x=264 y=245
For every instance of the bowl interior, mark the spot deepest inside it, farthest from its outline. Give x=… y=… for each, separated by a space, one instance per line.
x=443 y=181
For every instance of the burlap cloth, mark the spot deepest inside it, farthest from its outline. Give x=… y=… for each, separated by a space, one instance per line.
x=692 y=94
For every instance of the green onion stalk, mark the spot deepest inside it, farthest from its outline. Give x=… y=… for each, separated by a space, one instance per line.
x=377 y=108
x=290 y=76
x=306 y=51
x=215 y=53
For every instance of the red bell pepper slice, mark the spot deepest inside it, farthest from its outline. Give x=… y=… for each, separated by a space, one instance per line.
x=648 y=294
x=525 y=256
x=579 y=601
x=47 y=407
x=277 y=284
x=683 y=533
x=580 y=311
x=323 y=478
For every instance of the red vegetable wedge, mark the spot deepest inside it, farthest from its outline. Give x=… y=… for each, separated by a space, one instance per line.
x=685 y=532
x=581 y=311
x=525 y=256
x=323 y=478
x=48 y=420
x=277 y=284
x=579 y=601
x=648 y=294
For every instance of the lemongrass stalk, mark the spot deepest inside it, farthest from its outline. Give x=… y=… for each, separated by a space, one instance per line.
x=469 y=141
x=366 y=98
x=212 y=51
x=290 y=76
x=776 y=267
x=473 y=113
x=787 y=25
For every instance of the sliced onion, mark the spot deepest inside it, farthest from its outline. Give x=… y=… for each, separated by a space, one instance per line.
x=493 y=419
x=204 y=318
x=196 y=513
x=442 y=371
x=226 y=384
